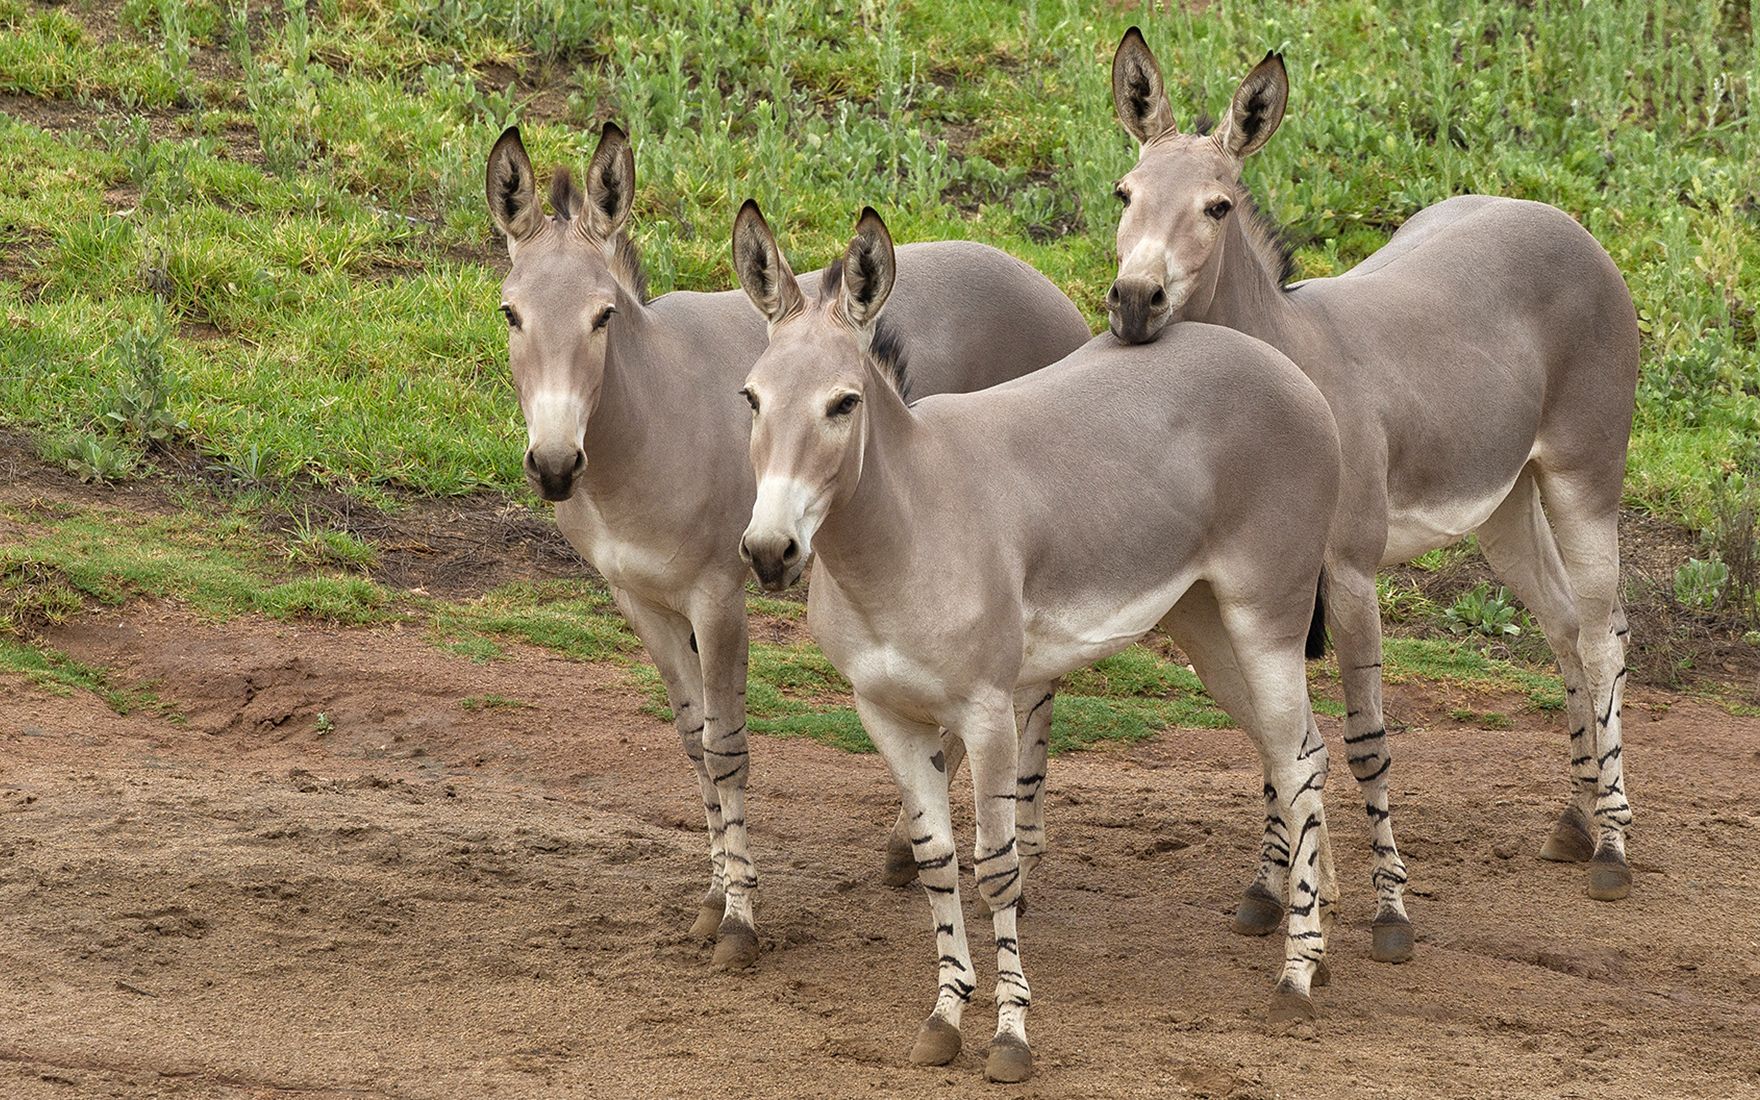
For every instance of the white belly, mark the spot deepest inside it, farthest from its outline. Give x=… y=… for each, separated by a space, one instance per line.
x=1412 y=531
x=1067 y=638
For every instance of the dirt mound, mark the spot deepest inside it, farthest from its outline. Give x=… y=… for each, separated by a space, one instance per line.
x=474 y=879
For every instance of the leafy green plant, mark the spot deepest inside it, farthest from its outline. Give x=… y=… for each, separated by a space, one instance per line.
x=94 y=457
x=139 y=405
x=1700 y=584
x=1480 y=610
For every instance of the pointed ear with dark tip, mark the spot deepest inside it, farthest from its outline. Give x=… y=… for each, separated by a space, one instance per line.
x=1137 y=90
x=512 y=189
x=1257 y=108
x=611 y=182
x=763 y=273
x=868 y=269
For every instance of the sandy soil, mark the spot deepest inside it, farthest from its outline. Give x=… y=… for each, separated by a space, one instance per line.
x=433 y=901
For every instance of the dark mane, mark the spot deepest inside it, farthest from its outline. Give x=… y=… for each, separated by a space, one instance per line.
x=621 y=254
x=564 y=196
x=887 y=346
x=1267 y=239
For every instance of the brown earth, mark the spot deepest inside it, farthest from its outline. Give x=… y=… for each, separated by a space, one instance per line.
x=424 y=896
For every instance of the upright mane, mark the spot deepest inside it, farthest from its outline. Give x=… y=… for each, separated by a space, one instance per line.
x=1267 y=239
x=621 y=254
x=887 y=345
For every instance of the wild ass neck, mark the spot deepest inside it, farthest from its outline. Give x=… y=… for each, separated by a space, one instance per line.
x=1244 y=294
x=868 y=539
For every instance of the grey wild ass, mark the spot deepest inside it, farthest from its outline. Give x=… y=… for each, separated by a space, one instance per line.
x=1482 y=367
x=974 y=547
x=634 y=431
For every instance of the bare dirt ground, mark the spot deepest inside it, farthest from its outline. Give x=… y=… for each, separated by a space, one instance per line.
x=431 y=900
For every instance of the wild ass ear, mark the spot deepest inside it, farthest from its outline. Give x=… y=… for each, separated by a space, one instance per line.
x=1257 y=108
x=763 y=273
x=869 y=265
x=1137 y=90
x=611 y=182
x=512 y=189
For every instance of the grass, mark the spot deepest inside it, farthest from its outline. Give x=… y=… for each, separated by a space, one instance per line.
x=282 y=215
x=71 y=558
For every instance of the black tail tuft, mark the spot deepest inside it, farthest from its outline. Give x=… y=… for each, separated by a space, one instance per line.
x=1317 y=628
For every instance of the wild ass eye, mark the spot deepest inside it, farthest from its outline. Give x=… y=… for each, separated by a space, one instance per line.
x=751 y=398
x=604 y=316
x=1219 y=209
x=512 y=317
x=844 y=405
x=1121 y=195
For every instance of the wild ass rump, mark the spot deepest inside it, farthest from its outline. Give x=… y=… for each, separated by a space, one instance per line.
x=974 y=547
x=1482 y=367
x=634 y=430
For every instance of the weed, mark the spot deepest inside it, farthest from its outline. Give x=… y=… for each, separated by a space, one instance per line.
x=1482 y=611
x=1700 y=584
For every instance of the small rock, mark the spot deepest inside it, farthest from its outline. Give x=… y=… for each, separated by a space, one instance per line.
x=1505 y=849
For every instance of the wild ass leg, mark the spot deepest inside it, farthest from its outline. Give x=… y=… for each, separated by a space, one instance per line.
x=901 y=864
x=998 y=788
x=722 y=646
x=914 y=755
x=1033 y=707
x=667 y=636
x=1270 y=701
x=1354 y=613
x=1586 y=523
x=1518 y=542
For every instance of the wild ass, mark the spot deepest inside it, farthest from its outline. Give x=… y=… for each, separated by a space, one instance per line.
x=634 y=431
x=1482 y=367
x=973 y=547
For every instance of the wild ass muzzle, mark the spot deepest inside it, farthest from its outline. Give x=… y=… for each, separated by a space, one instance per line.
x=1482 y=367
x=634 y=431
x=972 y=548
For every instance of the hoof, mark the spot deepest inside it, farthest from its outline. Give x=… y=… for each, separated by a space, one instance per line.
x=709 y=916
x=1570 y=841
x=1259 y=912
x=1322 y=974
x=1290 y=1008
x=901 y=863
x=1609 y=877
x=736 y=945
x=937 y=1043
x=1391 y=939
x=1010 y=1060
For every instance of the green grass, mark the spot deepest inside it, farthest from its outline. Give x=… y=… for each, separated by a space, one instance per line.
x=54 y=671
x=288 y=213
x=313 y=190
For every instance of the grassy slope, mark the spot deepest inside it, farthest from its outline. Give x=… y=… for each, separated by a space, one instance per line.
x=288 y=206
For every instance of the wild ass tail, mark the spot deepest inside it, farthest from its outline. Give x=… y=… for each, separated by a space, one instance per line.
x=1317 y=628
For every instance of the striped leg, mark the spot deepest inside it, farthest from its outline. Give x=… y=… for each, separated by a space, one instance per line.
x=998 y=789
x=901 y=863
x=1299 y=784
x=1033 y=706
x=1195 y=626
x=914 y=755
x=721 y=645
x=1355 y=617
x=667 y=636
x=1518 y=542
x=1586 y=524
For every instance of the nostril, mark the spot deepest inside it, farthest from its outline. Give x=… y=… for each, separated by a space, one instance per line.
x=1158 y=299
x=745 y=552
x=791 y=553
x=1112 y=296
x=580 y=460
x=531 y=464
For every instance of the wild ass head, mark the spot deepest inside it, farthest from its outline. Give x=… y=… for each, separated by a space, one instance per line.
x=1184 y=195
x=808 y=391
x=572 y=272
